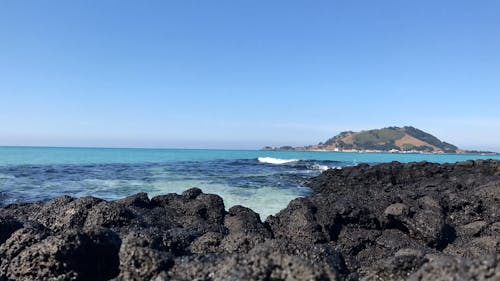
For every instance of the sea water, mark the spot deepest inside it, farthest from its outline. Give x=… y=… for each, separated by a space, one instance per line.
x=265 y=181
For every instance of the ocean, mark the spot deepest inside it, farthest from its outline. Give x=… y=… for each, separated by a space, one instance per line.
x=265 y=181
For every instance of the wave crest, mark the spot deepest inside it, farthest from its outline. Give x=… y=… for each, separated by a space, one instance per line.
x=319 y=167
x=277 y=161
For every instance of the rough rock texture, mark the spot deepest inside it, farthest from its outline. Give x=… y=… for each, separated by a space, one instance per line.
x=417 y=221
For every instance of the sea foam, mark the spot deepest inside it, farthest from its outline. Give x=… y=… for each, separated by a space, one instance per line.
x=277 y=161
x=319 y=167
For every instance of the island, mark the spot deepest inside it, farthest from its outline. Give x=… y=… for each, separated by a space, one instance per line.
x=406 y=139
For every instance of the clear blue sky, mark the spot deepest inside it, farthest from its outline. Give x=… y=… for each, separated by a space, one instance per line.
x=243 y=74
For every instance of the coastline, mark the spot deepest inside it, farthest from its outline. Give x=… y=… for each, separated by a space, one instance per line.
x=415 y=221
x=487 y=153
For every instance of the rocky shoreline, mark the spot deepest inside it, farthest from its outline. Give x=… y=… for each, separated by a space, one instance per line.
x=416 y=221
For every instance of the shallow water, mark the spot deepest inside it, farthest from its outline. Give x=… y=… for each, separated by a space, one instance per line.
x=265 y=181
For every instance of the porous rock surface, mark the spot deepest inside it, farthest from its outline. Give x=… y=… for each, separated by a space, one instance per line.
x=416 y=221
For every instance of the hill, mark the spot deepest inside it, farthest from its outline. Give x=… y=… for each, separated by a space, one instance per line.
x=393 y=139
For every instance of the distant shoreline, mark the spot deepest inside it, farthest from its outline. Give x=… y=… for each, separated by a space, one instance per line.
x=483 y=153
x=405 y=140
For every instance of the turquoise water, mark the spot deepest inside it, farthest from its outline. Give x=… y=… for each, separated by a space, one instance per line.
x=262 y=180
x=52 y=155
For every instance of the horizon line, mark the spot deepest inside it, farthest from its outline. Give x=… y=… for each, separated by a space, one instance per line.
x=119 y=147
x=178 y=148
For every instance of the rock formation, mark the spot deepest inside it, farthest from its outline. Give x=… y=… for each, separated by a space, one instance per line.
x=417 y=221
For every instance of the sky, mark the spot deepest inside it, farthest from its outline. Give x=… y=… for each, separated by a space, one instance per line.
x=244 y=74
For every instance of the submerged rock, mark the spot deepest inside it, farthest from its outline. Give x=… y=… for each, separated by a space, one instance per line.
x=416 y=221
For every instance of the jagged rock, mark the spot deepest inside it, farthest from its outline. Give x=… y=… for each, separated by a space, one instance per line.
x=7 y=227
x=207 y=243
x=473 y=228
x=442 y=268
x=397 y=210
x=415 y=221
x=71 y=255
x=476 y=247
x=18 y=242
x=140 y=200
x=109 y=214
x=263 y=262
x=201 y=212
x=75 y=213
x=404 y=263
x=192 y=193
x=244 y=220
x=143 y=256
x=298 y=223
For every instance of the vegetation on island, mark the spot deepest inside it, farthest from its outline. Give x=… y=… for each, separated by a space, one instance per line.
x=391 y=139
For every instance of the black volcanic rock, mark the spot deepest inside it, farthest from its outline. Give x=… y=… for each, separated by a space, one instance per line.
x=416 y=221
x=371 y=213
x=68 y=255
x=7 y=227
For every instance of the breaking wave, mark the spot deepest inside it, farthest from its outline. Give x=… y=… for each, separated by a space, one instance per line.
x=276 y=161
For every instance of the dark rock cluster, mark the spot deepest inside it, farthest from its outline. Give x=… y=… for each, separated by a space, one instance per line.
x=417 y=221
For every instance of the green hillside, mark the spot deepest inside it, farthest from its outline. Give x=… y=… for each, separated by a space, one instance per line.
x=386 y=139
x=393 y=139
x=390 y=138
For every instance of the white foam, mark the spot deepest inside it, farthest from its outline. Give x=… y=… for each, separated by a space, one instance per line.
x=265 y=201
x=276 y=161
x=318 y=167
